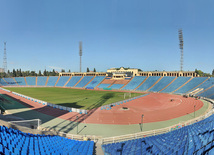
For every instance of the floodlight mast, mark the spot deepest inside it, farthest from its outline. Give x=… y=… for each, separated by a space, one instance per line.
x=181 y=48
x=80 y=54
x=5 y=58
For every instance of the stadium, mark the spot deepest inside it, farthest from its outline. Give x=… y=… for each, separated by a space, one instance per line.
x=122 y=111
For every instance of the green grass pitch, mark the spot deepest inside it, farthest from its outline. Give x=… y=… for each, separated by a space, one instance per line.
x=76 y=98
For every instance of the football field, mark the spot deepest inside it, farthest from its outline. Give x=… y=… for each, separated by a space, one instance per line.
x=76 y=98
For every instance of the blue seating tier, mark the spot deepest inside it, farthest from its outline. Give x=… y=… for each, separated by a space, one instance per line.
x=31 y=81
x=176 y=84
x=52 y=80
x=190 y=85
x=41 y=80
x=16 y=142
x=73 y=81
x=96 y=81
x=62 y=81
x=116 y=86
x=20 y=81
x=197 y=138
x=134 y=83
x=103 y=85
x=84 y=81
x=148 y=83
x=207 y=83
x=208 y=92
x=10 y=81
x=162 y=83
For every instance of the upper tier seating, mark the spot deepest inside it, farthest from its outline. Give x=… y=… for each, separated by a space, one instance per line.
x=31 y=81
x=162 y=83
x=52 y=80
x=16 y=142
x=62 y=81
x=134 y=83
x=103 y=85
x=84 y=81
x=116 y=86
x=176 y=84
x=20 y=81
x=190 y=85
x=41 y=80
x=10 y=81
x=148 y=83
x=208 y=92
x=96 y=81
x=198 y=138
x=73 y=81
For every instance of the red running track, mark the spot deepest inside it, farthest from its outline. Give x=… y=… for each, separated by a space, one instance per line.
x=155 y=107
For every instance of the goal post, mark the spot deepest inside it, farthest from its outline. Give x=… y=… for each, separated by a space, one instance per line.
x=33 y=124
x=127 y=95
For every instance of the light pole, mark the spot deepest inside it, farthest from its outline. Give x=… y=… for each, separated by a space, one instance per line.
x=194 y=111
x=77 y=124
x=142 y=122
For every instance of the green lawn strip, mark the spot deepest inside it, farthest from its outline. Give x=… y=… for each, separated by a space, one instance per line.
x=76 y=98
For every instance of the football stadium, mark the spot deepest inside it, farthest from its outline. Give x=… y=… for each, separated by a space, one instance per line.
x=121 y=111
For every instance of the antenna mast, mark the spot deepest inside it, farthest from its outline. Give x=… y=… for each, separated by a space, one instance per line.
x=181 y=48
x=80 y=54
x=5 y=59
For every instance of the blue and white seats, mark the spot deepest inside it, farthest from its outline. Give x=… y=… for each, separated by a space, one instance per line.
x=73 y=81
x=52 y=80
x=16 y=142
x=20 y=81
x=190 y=85
x=96 y=81
x=136 y=81
x=41 y=80
x=148 y=83
x=10 y=81
x=31 y=81
x=162 y=83
x=176 y=84
x=85 y=80
x=62 y=81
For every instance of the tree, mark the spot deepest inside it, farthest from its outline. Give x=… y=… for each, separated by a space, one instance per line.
x=20 y=72
x=40 y=73
x=62 y=70
x=45 y=73
x=87 y=70
x=213 y=72
x=69 y=70
x=14 y=73
x=94 y=70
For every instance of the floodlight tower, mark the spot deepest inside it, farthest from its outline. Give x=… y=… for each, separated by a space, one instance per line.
x=181 y=48
x=5 y=59
x=80 y=54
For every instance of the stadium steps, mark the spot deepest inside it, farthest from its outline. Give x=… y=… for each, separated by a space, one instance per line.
x=78 y=81
x=25 y=80
x=126 y=84
x=182 y=85
x=36 y=80
x=57 y=81
x=205 y=89
x=198 y=85
x=141 y=83
x=111 y=84
x=4 y=80
x=99 y=84
x=98 y=148
x=155 y=83
x=67 y=81
x=15 y=81
x=89 y=82
x=46 y=81
x=168 y=84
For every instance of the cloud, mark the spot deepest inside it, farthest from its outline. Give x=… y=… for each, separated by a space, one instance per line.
x=53 y=67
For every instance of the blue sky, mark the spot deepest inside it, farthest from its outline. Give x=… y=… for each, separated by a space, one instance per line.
x=138 y=34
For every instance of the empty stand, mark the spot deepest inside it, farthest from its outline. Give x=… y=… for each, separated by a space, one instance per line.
x=84 y=81
x=62 y=81
x=136 y=81
x=20 y=81
x=179 y=81
x=31 y=81
x=148 y=83
x=95 y=81
x=52 y=81
x=104 y=85
x=10 y=81
x=116 y=86
x=41 y=80
x=73 y=81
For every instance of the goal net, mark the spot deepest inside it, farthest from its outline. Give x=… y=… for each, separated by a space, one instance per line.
x=33 y=124
x=127 y=95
